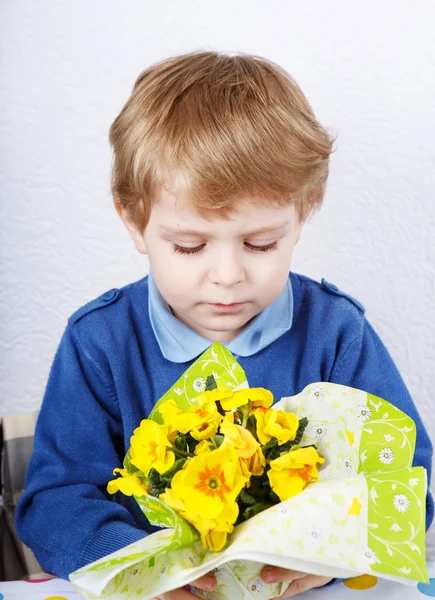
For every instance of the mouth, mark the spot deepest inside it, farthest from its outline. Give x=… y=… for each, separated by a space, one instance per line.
x=228 y=308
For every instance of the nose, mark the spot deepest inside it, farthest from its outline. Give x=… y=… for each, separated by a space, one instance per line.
x=226 y=271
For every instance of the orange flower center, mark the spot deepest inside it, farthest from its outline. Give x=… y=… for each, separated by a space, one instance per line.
x=212 y=482
x=304 y=473
x=153 y=449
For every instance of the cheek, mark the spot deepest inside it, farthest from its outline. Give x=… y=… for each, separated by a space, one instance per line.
x=272 y=275
x=274 y=269
x=174 y=278
x=164 y=263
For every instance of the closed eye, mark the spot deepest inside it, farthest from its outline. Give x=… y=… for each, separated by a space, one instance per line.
x=182 y=250
x=251 y=247
x=265 y=248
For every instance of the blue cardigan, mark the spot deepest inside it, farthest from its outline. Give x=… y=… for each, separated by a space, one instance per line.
x=109 y=371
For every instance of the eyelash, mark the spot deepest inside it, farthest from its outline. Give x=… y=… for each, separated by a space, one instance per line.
x=181 y=250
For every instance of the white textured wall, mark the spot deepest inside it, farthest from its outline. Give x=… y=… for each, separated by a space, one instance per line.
x=68 y=67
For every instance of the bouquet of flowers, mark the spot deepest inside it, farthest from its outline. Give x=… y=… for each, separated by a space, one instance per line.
x=220 y=462
x=321 y=482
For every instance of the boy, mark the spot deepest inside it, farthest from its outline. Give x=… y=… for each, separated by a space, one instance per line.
x=218 y=162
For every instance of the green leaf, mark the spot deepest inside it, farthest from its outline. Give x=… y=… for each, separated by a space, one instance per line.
x=210 y=383
x=274 y=498
x=128 y=465
x=246 y=498
x=181 y=442
x=267 y=448
x=217 y=440
x=220 y=409
x=168 y=475
x=251 y=511
x=251 y=426
x=310 y=446
x=191 y=443
x=275 y=452
x=157 y=486
x=260 y=487
x=284 y=448
x=303 y=423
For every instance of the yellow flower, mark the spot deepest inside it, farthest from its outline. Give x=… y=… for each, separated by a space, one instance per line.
x=213 y=532
x=252 y=460
x=218 y=394
x=203 y=447
x=175 y=418
x=256 y=462
x=201 y=419
x=215 y=540
x=291 y=472
x=239 y=438
x=209 y=483
x=169 y=498
x=149 y=448
x=129 y=484
x=258 y=396
x=276 y=424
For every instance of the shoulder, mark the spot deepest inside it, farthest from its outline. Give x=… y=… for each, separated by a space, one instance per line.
x=110 y=309
x=325 y=293
x=331 y=320
x=322 y=309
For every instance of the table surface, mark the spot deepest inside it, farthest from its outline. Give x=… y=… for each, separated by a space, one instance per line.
x=367 y=588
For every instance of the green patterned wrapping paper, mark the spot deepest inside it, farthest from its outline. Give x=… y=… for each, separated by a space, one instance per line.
x=365 y=515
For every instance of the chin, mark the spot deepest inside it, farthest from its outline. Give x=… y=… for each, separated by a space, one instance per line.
x=234 y=329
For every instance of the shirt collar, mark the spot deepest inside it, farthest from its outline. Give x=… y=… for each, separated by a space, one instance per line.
x=179 y=343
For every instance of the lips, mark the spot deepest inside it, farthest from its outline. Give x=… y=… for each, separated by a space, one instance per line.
x=228 y=308
x=226 y=303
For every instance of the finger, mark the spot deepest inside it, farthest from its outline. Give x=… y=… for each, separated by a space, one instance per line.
x=274 y=574
x=302 y=585
x=206 y=582
x=178 y=594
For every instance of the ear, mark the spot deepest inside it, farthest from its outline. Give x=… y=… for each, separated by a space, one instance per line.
x=136 y=235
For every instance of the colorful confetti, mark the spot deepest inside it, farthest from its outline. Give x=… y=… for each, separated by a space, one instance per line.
x=363 y=582
x=427 y=589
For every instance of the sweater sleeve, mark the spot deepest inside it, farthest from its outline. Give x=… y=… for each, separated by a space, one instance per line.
x=65 y=514
x=365 y=364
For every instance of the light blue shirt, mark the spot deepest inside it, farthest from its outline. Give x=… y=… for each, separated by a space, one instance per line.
x=179 y=343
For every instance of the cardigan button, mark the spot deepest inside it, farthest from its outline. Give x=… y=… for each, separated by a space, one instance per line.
x=329 y=286
x=110 y=295
x=333 y=289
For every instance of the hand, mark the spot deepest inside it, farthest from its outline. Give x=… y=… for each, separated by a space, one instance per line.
x=206 y=582
x=299 y=582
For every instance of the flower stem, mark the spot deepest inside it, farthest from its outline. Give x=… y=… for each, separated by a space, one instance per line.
x=177 y=451
x=245 y=412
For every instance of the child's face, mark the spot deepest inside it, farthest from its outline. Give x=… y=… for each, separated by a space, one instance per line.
x=200 y=266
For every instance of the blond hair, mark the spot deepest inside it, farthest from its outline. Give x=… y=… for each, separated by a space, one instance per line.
x=232 y=126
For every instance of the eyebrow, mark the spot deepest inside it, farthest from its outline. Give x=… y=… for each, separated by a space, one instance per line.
x=267 y=229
